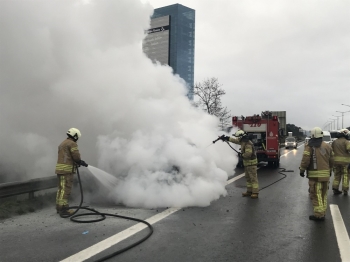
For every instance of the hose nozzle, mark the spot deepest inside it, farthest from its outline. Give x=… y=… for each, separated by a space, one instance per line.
x=219 y=138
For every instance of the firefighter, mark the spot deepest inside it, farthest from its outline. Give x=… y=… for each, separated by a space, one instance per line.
x=318 y=162
x=67 y=162
x=250 y=162
x=341 y=149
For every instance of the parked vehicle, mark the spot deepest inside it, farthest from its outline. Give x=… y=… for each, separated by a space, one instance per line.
x=264 y=132
x=327 y=137
x=307 y=140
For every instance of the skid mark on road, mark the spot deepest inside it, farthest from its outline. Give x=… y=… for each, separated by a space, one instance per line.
x=341 y=233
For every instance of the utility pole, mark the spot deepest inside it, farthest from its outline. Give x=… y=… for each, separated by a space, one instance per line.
x=333 y=121
x=342 y=116
x=337 y=121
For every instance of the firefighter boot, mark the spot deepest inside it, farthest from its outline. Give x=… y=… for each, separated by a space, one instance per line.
x=336 y=191
x=65 y=211
x=315 y=218
x=246 y=194
x=254 y=195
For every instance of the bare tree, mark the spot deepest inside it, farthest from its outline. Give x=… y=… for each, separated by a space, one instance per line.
x=209 y=95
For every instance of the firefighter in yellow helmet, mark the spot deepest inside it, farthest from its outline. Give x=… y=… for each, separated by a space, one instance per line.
x=67 y=162
x=250 y=162
x=318 y=162
x=341 y=149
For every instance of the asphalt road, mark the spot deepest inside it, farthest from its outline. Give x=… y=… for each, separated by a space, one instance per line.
x=274 y=227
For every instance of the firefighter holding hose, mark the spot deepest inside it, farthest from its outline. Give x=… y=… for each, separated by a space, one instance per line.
x=67 y=162
x=250 y=161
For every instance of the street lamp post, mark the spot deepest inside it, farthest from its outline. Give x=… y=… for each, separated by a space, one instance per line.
x=333 y=121
x=325 y=126
x=337 y=121
x=342 y=116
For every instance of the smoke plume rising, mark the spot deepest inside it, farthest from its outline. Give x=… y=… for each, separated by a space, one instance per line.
x=80 y=64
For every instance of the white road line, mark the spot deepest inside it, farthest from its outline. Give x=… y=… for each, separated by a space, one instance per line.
x=234 y=179
x=341 y=233
x=107 y=243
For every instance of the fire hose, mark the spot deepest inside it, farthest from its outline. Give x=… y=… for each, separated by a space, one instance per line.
x=73 y=217
x=281 y=171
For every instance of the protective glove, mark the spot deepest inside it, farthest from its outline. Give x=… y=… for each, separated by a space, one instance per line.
x=302 y=173
x=225 y=138
x=82 y=163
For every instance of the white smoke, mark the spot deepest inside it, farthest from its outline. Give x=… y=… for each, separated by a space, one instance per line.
x=80 y=64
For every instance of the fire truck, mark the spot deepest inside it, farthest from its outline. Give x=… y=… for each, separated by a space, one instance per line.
x=265 y=133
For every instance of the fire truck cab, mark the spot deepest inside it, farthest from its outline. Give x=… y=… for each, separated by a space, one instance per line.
x=264 y=131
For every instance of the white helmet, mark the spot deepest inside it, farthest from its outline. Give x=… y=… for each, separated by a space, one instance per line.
x=316 y=132
x=343 y=132
x=74 y=133
x=240 y=133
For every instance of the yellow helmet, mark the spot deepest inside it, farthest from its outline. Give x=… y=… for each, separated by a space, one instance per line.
x=74 y=133
x=240 y=133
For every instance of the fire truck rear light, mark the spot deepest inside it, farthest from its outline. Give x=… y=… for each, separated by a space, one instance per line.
x=274 y=118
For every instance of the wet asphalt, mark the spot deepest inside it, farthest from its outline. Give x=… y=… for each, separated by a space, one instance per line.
x=274 y=227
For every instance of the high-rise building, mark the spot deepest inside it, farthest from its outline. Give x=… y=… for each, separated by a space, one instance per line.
x=170 y=41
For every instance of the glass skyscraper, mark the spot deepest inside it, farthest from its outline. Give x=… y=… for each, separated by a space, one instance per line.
x=171 y=40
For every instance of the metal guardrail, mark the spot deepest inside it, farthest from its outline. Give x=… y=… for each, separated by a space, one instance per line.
x=30 y=186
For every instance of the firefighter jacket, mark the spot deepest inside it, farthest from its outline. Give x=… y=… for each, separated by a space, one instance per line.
x=68 y=155
x=317 y=160
x=247 y=150
x=341 y=149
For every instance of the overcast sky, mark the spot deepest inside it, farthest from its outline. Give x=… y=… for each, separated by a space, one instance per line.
x=79 y=63
x=277 y=55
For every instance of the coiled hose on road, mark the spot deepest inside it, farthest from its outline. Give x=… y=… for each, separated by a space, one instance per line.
x=103 y=217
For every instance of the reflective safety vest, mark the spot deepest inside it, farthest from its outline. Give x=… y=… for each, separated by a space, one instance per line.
x=68 y=155
x=318 y=161
x=247 y=150
x=341 y=149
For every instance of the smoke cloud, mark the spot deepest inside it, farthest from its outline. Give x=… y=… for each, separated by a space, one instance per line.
x=80 y=64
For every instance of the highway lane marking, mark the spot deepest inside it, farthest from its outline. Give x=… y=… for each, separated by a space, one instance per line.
x=291 y=151
x=235 y=178
x=341 y=233
x=109 y=242
x=115 y=239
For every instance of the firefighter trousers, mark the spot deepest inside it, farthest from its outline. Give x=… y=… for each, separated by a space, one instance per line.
x=318 y=194
x=341 y=175
x=251 y=179
x=65 y=184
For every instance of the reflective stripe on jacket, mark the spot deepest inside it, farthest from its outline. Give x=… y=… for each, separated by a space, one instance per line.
x=68 y=155
x=341 y=149
x=318 y=161
x=247 y=150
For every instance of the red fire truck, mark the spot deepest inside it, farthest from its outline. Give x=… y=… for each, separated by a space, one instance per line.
x=265 y=133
